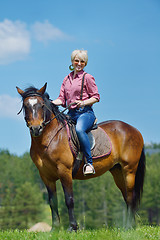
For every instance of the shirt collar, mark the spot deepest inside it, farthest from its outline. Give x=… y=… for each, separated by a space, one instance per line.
x=79 y=74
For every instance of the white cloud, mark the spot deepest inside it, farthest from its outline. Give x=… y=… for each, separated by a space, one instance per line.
x=14 y=41
x=9 y=107
x=45 y=32
x=15 y=38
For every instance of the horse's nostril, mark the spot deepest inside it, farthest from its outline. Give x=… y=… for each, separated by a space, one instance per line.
x=40 y=128
x=36 y=130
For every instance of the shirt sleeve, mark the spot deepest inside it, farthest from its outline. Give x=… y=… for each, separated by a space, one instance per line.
x=62 y=96
x=91 y=87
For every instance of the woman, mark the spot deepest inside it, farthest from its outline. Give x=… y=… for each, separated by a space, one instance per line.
x=84 y=97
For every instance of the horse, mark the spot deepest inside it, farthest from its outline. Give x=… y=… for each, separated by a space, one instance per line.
x=51 y=153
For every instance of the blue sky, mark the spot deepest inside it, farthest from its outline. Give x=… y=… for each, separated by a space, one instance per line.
x=123 y=43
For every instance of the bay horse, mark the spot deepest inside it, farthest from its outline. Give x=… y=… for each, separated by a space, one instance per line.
x=51 y=153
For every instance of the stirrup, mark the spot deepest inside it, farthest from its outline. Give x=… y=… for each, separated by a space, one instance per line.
x=88 y=173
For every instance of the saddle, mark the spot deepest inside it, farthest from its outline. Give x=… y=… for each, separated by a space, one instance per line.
x=99 y=141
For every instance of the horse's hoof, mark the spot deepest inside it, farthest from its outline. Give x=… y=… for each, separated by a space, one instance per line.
x=73 y=229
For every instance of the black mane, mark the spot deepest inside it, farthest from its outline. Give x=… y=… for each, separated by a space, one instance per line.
x=48 y=107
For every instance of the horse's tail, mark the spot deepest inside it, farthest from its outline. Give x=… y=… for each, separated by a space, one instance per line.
x=139 y=181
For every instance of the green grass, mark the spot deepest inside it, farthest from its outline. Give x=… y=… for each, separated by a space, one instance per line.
x=140 y=233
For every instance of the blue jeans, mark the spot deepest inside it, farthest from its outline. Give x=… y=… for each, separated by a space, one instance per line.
x=84 y=119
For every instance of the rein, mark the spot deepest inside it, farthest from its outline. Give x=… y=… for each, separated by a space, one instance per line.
x=45 y=123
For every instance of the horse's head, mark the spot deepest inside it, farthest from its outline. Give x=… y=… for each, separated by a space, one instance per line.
x=33 y=106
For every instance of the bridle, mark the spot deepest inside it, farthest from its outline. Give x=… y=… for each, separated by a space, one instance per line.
x=29 y=95
x=50 y=110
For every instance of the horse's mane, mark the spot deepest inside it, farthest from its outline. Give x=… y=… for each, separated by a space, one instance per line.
x=48 y=107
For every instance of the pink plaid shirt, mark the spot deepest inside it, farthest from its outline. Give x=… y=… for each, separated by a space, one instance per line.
x=71 y=89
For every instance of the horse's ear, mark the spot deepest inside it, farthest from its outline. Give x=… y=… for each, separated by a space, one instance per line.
x=43 y=89
x=20 y=91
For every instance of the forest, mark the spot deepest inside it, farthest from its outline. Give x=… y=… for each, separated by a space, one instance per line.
x=98 y=202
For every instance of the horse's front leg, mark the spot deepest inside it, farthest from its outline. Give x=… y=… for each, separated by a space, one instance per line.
x=52 y=197
x=66 y=181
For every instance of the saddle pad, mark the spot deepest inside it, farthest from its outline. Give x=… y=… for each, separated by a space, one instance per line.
x=102 y=146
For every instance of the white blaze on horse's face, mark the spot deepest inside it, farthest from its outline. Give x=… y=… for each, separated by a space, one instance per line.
x=34 y=116
x=33 y=101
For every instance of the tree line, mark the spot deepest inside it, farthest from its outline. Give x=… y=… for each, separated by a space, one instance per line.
x=98 y=202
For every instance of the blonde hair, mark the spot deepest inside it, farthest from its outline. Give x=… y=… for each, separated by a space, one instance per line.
x=82 y=54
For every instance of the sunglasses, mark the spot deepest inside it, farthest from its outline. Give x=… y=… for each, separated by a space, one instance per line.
x=76 y=61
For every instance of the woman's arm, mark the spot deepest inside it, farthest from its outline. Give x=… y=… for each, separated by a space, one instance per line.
x=90 y=101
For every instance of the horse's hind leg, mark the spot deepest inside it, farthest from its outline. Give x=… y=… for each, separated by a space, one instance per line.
x=126 y=185
x=117 y=174
x=130 y=172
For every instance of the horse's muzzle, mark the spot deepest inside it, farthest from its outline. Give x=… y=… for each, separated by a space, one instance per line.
x=36 y=130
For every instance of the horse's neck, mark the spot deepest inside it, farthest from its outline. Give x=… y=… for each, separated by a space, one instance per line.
x=48 y=135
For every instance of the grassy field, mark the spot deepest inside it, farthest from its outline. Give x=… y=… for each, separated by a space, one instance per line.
x=141 y=233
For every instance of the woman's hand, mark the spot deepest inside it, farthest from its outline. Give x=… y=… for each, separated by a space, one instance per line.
x=79 y=103
x=89 y=101
x=57 y=102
